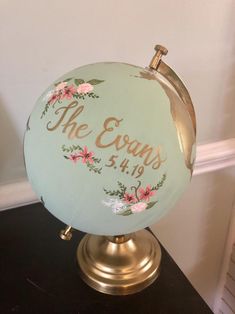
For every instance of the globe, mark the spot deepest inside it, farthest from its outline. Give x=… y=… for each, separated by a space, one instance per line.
x=110 y=147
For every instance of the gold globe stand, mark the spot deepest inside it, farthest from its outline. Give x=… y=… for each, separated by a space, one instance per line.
x=119 y=265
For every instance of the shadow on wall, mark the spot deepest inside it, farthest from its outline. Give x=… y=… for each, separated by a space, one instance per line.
x=228 y=126
x=195 y=232
x=206 y=272
x=229 y=107
x=11 y=152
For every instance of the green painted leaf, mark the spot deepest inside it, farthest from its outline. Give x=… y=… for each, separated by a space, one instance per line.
x=79 y=81
x=68 y=79
x=57 y=83
x=126 y=212
x=95 y=82
x=151 y=204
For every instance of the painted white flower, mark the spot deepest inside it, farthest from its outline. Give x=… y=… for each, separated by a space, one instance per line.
x=116 y=205
x=138 y=207
x=61 y=86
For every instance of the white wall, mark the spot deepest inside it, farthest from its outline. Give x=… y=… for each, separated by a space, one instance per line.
x=40 y=40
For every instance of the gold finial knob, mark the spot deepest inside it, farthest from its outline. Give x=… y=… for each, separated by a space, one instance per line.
x=66 y=234
x=160 y=51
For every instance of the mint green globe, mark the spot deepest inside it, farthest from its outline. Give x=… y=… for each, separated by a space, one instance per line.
x=110 y=147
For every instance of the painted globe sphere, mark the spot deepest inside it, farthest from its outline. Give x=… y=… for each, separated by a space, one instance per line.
x=109 y=148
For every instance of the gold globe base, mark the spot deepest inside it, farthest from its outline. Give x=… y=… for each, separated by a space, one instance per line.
x=119 y=265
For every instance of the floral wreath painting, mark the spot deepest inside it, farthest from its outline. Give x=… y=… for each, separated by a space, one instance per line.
x=125 y=203
x=83 y=155
x=66 y=90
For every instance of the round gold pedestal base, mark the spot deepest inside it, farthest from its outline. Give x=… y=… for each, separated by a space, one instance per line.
x=119 y=265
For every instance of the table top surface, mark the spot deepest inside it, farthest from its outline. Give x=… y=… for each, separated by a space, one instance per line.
x=38 y=274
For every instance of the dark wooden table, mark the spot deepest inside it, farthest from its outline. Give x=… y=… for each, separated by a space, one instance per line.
x=38 y=274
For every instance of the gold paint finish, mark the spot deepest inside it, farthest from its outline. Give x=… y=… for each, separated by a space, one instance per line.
x=66 y=234
x=160 y=51
x=182 y=91
x=183 y=123
x=119 y=265
x=182 y=110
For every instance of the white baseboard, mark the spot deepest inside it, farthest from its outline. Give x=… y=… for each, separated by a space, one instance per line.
x=16 y=194
x=215 y=156
x=210 y=157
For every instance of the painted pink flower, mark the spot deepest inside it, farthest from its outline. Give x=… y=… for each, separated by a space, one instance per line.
x=138 y=207
x=86 y=156
x=68 y=92
x=74 y=157
x=61 y=86
x=84 y=88
x=129 y=198
x=145 y=194
x=53 y=99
